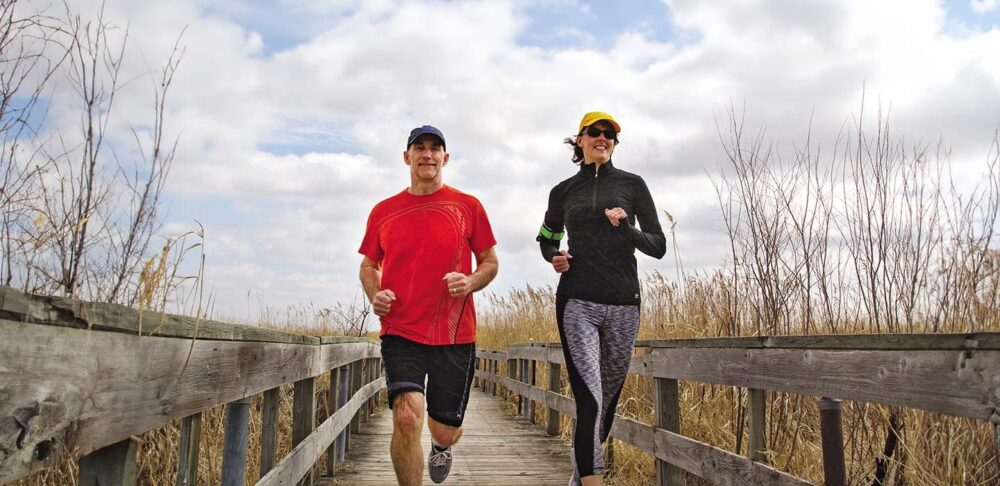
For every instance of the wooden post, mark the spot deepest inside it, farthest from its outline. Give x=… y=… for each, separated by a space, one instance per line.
x=529 y=375
x=378 y=375
x=111 y=465
x=304 y=416
x=476 y=382
x=833 y=442
x=488 y=384
x=234 y=448
x=366 y=372
x=187 y=468
x=555 y=385
x=355 y=386
x=343 y=395
x=269 y=430
x=494 y=367
x=371 y=378
x=519 y=376
x=332 y=406
x=668 y=417
x=512 y=374
x=756 y=412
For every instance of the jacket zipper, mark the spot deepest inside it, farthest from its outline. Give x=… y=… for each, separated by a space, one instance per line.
x=593 y=202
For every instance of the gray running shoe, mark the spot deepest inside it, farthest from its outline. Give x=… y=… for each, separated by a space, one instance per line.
x=439 y=464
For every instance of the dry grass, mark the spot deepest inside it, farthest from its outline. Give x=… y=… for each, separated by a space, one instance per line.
x=934 y=449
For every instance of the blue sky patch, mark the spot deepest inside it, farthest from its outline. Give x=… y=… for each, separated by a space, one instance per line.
x=962 y=16
x=595 y=25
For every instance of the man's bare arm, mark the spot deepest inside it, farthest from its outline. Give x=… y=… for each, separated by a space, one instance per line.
x=460 y=285
x=371 y=282
x=487 y=266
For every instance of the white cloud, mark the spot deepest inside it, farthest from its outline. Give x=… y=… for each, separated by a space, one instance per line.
x=286 y=227
x=983 y=6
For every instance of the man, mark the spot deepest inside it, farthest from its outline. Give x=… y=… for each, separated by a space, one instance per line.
x=417 y=273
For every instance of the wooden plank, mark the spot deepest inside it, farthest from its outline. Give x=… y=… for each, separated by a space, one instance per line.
x=913 y=341
x=922 y=341
x=542 y=353
x=113 y=465
x=561 y=403
x=494 y=355
x=962 y=383
x=269 y=429
x=337 y=355
x=344 y=339
x=190 y=441
x=756 y=407
x=715 y=465
x=85 y=389
x=304 y=416
x=60 y=311
x=306 y=453
x=496 y=449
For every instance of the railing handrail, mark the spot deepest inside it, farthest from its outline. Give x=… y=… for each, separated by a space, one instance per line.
x=81 y=376
x=953 y=374
x=946 y=379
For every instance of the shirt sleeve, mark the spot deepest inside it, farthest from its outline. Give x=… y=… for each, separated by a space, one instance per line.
x=649 y=239
x=371 y=246
x=482 y=238
x=552 y=231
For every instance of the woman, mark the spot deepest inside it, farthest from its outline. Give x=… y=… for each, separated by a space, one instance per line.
x=597 y=301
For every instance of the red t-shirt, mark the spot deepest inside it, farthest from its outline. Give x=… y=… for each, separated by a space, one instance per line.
x=418 y=239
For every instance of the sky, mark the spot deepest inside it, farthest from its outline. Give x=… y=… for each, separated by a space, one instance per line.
x=291 y=115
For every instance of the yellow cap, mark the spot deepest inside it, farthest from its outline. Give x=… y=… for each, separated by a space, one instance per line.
x=596 y=116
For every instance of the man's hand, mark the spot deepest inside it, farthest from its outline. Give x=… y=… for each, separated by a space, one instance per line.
x=615 y=215
x=459 y=284
x=560 y=262
x=382 y=302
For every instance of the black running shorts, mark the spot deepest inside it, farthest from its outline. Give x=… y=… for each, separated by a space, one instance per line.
x=447 y=370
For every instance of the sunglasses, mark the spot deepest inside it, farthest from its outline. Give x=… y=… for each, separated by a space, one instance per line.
x=609 y=133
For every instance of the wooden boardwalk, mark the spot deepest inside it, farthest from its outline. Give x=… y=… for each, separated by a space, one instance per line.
x=496 y=449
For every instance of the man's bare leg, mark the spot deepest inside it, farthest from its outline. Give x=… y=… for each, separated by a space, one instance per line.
x=444 y=435
x=407 y=423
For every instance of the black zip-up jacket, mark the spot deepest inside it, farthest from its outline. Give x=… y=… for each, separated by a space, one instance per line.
x=603 y=268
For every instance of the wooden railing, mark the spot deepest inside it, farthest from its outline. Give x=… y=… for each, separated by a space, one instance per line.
x=83 y=378
x=953 y=374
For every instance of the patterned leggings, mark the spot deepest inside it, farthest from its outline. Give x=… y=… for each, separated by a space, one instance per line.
x=597 y=341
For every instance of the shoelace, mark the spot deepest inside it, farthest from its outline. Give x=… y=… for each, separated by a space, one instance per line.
x=441 y=458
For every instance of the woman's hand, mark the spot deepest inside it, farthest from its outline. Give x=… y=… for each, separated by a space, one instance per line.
x=615 y=215
x=560 y=262
x=382 y=302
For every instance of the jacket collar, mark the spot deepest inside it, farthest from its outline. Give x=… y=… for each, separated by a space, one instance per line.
x=588 y=169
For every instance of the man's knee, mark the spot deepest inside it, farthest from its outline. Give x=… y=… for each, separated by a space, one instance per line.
x=444 y=435
x=408 y=412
